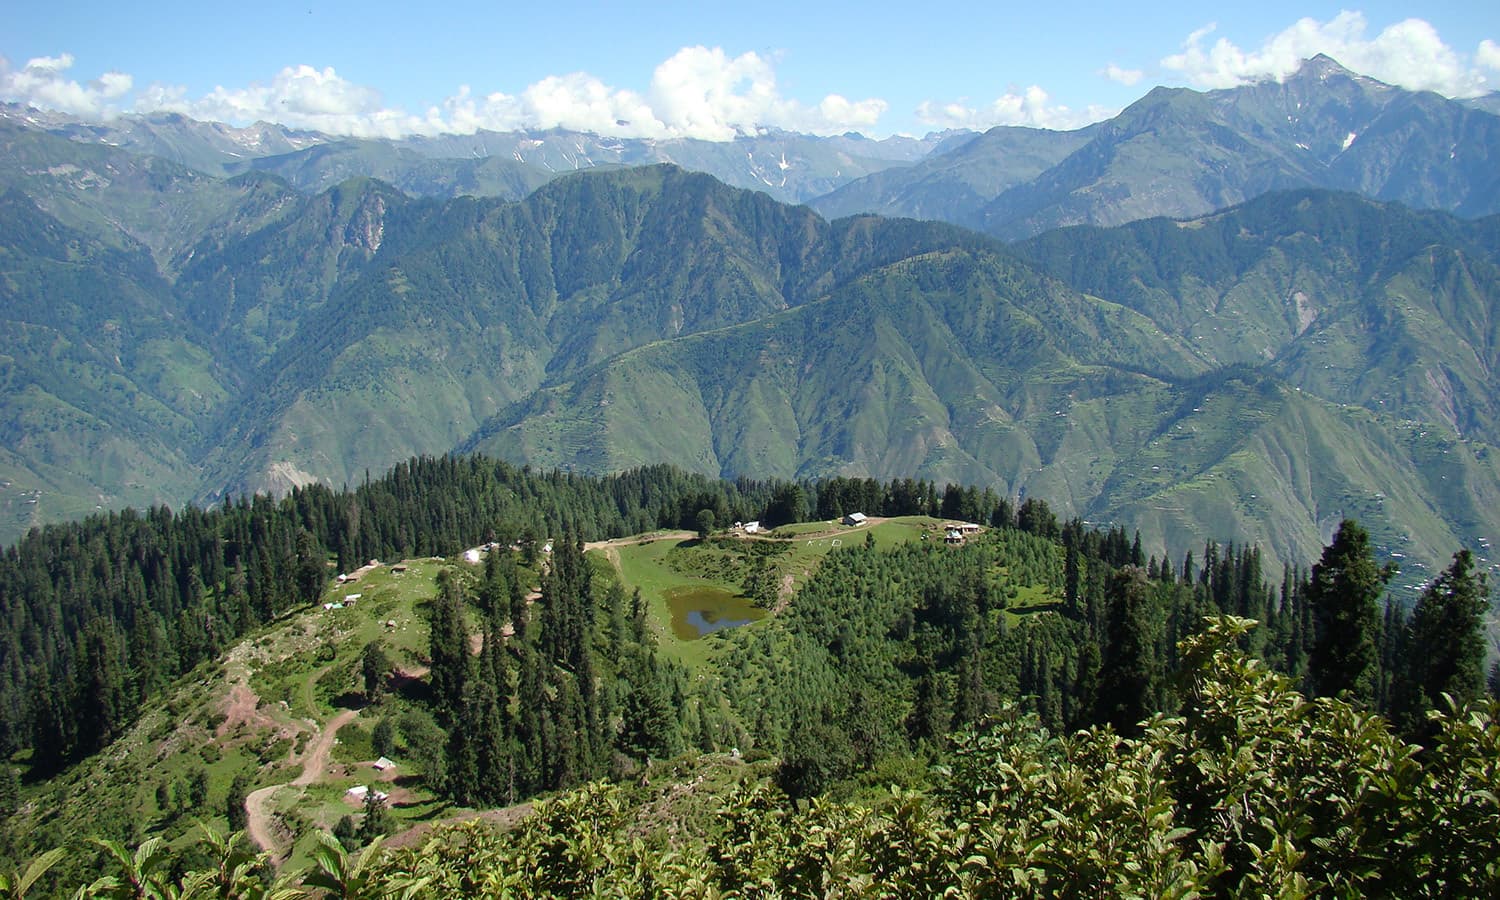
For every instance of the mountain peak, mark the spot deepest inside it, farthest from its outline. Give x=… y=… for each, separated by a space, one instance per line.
x=1323 y=68
x=1322 y=65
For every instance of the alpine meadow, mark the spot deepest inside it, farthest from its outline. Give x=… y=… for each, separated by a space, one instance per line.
x=547 y=513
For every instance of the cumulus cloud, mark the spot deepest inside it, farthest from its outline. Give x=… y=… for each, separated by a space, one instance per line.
x=578 y=102
x=1410 y=54
x=699 y=92
x=1488 y=55
x=43 y=82
x=298 y=97
x=1127 y=77
x=705 y=93
x=1032 y=107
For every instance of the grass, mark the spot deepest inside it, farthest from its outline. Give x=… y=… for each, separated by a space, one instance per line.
x=299 y=666
x=662 y=568
x=304 y=669
x=1028 y=600
x=648 y=567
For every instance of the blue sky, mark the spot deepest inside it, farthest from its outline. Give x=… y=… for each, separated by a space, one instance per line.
x=703 y=69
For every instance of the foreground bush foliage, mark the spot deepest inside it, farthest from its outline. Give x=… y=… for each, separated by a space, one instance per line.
x=1253 y=791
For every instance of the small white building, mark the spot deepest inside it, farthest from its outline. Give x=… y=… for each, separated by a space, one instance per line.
x=359 y=792
x=471 y=556
x=854 y=519
x=752 y=527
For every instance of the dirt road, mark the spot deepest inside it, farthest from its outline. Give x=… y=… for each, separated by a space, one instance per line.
x=641 y=539
x=315 y=757
x=258 y=821
x=258 y=817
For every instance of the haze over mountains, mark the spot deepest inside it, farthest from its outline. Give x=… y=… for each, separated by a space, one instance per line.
x=1181 y=153
x=193 y=310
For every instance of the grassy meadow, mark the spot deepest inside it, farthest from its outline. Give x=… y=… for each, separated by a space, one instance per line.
x=666 y=568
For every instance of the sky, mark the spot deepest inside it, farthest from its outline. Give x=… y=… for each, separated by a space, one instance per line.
x=384 y=68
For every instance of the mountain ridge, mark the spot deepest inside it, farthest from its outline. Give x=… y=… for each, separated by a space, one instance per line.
x=1182 y=153
x=339 y=333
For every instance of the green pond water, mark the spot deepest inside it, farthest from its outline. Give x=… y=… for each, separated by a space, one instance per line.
x=698 y=610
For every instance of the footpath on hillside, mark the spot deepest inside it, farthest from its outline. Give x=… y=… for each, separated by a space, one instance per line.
x=259 y=819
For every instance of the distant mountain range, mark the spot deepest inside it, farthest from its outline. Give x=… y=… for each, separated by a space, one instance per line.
x=1175 y=152
x=211 y=316
x=791 y=167
x=1182 y=153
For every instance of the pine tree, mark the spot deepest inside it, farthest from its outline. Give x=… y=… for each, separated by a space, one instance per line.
x=311 y=567
x=374 y=666
x=649 y=723
x=383 y=738
x=102 y=698
x=1344 y=594
x=198 y=788
x=377 y=820
x=10 y=790
x=234 y=803
x=1071 y=574
x=448 y=648
x=1444 y=643
x=1131 y=681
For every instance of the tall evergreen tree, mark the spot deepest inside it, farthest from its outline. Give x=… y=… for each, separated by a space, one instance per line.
x=234 y=803
x=1444 y=643
x=312 y=567
x=1344 y=594
x=448 y=648
x=374 y=667
x=1131 y=678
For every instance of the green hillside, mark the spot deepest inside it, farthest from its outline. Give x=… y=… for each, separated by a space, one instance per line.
x=904 y=708
x=1253 y=375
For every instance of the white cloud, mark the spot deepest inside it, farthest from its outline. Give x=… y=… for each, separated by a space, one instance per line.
x=43 y=82
x=1488 y=55
x=1031 y=107
x=1127 y=77
x=704 y=93
x=698 y=92
x=298 y=97
x=1410 y=54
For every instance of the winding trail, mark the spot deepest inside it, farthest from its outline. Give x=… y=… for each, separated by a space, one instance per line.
x=258 y=816
x=639 y=539
x=258 y=820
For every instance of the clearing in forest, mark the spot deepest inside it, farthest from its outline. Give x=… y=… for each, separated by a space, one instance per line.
x=695 y=588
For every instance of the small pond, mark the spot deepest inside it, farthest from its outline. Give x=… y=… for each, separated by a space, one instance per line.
x=698 y=610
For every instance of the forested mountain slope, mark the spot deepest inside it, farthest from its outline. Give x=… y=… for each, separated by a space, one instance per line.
x=1253 y=375
x=105 y=382
x=1358 y=302
x=953 y=186
x=897 y=709
x=966 y=367
x=470 y=305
